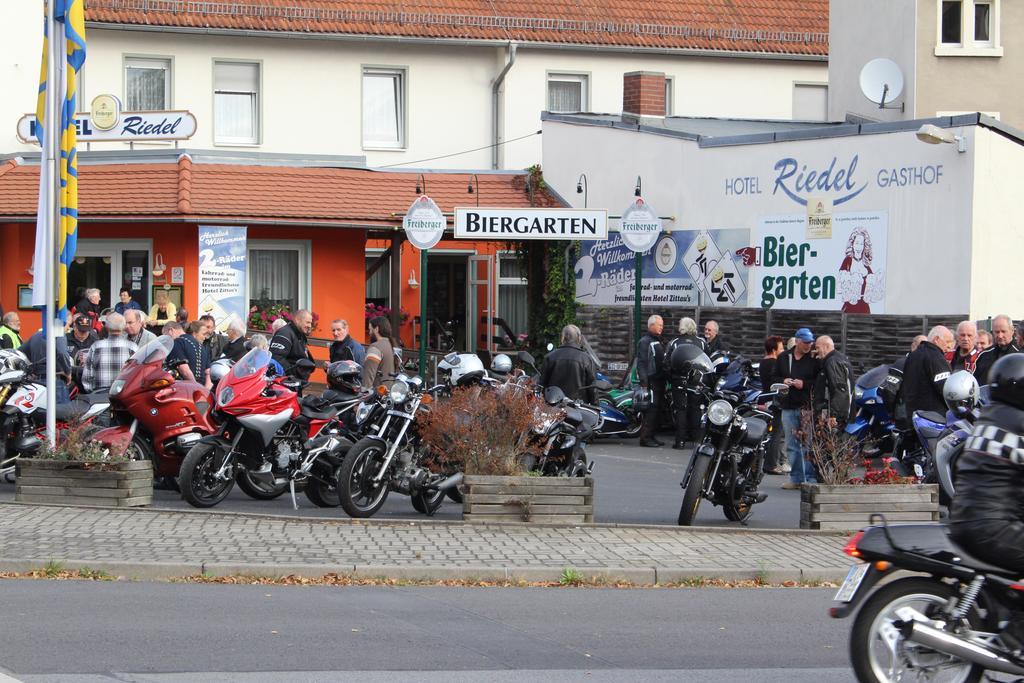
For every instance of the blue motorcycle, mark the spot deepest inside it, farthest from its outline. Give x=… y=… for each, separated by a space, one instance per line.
x=876 y=395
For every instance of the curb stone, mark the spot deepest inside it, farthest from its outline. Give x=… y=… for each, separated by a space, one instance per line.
x=634 y=576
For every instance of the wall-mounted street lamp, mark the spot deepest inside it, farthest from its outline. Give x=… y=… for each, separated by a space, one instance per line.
x=421 y=184
x=934 y=135
x=469 y=188
x=582 y=188
x=639 y=186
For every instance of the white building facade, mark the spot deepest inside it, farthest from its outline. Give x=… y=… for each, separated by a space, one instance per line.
x=401 y=99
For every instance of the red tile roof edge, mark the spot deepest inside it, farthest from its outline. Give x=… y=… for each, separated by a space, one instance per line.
x=473 y=23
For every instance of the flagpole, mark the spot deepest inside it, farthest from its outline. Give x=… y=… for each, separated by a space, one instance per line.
x=51 y=152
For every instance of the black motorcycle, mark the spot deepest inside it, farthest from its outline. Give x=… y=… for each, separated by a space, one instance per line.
x=945 y=623
x=562 y=428
x=725 y=468
x=389 y=457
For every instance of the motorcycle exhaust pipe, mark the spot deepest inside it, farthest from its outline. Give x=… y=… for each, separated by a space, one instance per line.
x=949 y=644
x=451 y=482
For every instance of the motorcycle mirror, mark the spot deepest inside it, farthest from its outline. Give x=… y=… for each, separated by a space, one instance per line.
x=603 y=385
x=553 y=396
x=780 y=389
x=525 y=357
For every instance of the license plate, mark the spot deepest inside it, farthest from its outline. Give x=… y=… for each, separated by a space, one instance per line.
x=853 y=580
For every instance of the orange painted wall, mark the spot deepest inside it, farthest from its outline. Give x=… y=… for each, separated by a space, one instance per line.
x=338 y=282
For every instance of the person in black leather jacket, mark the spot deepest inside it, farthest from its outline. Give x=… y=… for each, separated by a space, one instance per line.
x=685 y=412
x=925 y=373
x=650 y=362
x=288 y=346
x=1002 y=345
x=570 y=368
x=987 y=512
x=833 y=394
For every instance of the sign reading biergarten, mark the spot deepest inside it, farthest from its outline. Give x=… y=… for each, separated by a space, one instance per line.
x=223 y=254
x=477 y=223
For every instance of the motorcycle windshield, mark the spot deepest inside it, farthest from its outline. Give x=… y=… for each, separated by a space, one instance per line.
x=256 y=361
x=154 y=352
x=702 y=363
x=873 y=378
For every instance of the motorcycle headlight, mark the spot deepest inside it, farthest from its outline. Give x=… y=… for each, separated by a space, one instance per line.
x=363 y=412
x=226 y=396
x=399 y=392
x=858 y=393
x=719 y=413
x=116 y=387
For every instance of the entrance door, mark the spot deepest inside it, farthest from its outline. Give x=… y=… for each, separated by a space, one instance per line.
x=446 y=300
x=481 y=305
x=109 y=265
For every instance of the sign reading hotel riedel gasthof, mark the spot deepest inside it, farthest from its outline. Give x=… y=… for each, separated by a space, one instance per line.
x=531 y=224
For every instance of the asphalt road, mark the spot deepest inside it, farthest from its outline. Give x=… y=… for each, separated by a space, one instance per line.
x=63 y=631
x=633 y=486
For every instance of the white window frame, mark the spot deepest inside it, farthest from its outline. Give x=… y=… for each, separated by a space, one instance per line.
x=581 y=77
x=670 y=95
x=155 y=61
x=968 y=47
x=506 y=281
x=303 y=248
x=228 y=141
x=402 y=74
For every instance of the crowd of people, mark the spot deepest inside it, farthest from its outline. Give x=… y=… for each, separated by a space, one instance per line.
x=97 y=342
x=817 y=376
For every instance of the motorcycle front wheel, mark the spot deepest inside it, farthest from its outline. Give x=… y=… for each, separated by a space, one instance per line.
x=199 y=485
x=321 y=494
x=871 y=653
x=358 y=493
x=691 y=497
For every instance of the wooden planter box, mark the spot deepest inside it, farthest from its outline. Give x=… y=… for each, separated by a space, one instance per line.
x=849 y=507
x=121 y=484
x=528 y=499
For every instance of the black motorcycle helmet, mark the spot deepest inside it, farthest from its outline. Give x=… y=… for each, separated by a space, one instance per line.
x=682 y=356
x=345 y=375
x=1007 y=380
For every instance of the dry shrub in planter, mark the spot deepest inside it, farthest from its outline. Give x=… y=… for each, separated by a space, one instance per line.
x=833 y=452
x=76 y=445
x=478 y=431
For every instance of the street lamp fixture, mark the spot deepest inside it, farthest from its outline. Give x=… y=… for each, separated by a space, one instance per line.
x=469 y=188
x=421 y=184
x=934 y=135
x=636 y=190
x=582 y=188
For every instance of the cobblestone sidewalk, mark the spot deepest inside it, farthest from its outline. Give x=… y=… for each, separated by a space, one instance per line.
x=164 y=544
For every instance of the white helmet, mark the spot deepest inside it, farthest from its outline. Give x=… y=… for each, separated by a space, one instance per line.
x=462 y=368
x=501 y=364
x=961 y=392
x=220 y=368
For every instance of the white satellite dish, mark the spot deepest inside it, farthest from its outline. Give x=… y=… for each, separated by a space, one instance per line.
x=881 y=81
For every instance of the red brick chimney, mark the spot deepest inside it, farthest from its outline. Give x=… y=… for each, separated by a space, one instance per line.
x=643 y=94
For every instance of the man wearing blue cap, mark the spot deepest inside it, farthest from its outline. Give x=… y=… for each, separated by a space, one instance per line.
x=798 y=370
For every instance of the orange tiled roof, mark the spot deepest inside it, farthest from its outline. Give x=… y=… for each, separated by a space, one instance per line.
x=189 y=190
x=771 y=26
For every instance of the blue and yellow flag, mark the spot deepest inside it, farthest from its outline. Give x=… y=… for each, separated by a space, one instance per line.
x=70 y=40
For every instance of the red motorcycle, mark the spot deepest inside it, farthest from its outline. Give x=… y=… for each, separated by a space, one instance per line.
x=268 y=438
x=156 y=417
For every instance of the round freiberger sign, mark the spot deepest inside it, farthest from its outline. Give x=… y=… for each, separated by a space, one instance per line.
x=424 y=223
x=640 y=226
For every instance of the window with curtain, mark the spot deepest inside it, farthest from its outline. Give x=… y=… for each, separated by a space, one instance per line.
x=952 y=16
x=274 y=277
x=147 y=84
x=378 y=287
x=512 y=294
x=384 y=108
x=236 y=102
x=982 y=22
x=567 y=92
x=669 y=92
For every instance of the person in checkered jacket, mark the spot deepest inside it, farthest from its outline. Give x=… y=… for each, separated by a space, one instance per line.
x=107 y=356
